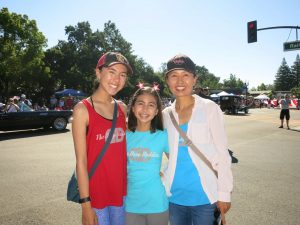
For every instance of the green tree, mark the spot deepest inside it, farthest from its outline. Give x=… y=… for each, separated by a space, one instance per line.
x=21 y=56
x=207 y=79
x=72 y=62
x=284 y=78
x=233 y=82
x=262 y=87
x=269 y=87
x=295 y=69
x=296 y=91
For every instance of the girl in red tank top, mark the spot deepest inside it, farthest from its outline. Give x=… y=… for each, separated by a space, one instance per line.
x=102 y=196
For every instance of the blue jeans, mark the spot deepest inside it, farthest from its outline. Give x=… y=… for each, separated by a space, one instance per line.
x=192 y=215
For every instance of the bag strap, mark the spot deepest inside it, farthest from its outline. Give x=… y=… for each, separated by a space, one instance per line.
x=107 y=143
x=189 y=143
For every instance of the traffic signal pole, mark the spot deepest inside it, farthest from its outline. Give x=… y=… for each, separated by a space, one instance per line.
x=287 y=46
x=282 y=27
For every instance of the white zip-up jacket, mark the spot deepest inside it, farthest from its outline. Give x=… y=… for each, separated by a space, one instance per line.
x=206 y=130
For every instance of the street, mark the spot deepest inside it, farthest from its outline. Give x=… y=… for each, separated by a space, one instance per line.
x=35 y=166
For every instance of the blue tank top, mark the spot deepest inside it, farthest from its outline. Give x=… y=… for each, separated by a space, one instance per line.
x=186 y=188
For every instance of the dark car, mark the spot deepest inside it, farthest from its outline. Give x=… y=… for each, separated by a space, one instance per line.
x=233 y=104
x=35 y=119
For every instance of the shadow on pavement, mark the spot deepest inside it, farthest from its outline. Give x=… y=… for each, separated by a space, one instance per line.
x=294 y=129
x=7 y=135
x=239 y=114
x=233 y=159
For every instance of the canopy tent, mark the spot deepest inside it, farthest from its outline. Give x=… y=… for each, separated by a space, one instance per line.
x=69 y=92
x=222 y=93
x=262 y=97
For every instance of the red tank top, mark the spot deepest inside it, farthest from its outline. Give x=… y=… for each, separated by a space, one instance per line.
x=108 y=185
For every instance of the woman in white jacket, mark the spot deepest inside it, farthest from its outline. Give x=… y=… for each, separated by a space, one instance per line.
x=195 y=191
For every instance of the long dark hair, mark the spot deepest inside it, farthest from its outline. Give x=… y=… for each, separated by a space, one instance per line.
x=156 y=122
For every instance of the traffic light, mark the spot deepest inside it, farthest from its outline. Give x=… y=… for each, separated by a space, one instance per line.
x=252 y=31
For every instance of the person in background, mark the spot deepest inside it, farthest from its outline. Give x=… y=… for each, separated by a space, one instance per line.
x=285 y=111
x=202 y=93
x=36 y=106
x=24 y=104
x=2 y=106
x=61 y=103
x=43 y=106
x=269 y=103
x=102 y=196
x=195 y=190
x=25 y=100
x=147 y=141
x=12 y=106
x=53 y=102
x=69 y=103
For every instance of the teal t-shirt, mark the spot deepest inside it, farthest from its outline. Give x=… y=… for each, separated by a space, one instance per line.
x=186 y=188
x=145 y=192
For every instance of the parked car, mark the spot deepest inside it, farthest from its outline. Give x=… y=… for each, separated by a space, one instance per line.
x=30 y=119
x=232 y=104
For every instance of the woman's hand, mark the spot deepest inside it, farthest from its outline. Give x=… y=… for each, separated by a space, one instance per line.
x=223 y=207
x=89 y=216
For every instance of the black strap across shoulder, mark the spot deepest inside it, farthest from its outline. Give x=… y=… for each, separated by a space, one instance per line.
x=107 y=143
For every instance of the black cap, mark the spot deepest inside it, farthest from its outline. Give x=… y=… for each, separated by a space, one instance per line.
x=181 y=62
x=112 y=58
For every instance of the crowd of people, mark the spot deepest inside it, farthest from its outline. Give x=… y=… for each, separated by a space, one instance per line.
x=17 y=104
x=23 y=104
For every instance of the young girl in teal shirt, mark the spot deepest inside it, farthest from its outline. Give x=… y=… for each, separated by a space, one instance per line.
x=146 y=201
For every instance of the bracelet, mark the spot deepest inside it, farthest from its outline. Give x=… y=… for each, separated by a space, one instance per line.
x=83 y=200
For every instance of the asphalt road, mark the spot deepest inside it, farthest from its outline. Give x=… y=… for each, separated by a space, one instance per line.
x=35 y=166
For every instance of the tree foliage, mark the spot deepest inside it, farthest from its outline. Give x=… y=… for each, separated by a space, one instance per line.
x=73 y=61
x=233 y=82
x=262 y=87
x=295 y=70
x=284 y=78
x=21 y=55
x=207 y=79
x=296 y=91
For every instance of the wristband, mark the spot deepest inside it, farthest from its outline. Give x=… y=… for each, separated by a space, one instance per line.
x=83 y=200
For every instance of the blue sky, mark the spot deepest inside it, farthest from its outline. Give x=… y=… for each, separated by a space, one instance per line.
x=213 y=33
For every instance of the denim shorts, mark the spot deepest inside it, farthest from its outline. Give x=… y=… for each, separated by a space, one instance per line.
x=111 y=215
x=192 y=215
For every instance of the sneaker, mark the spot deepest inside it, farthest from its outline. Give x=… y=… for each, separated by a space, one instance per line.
x=288 y=128
x=280 y=127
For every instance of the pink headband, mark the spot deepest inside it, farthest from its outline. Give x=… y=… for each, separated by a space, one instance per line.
x=155 y=87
